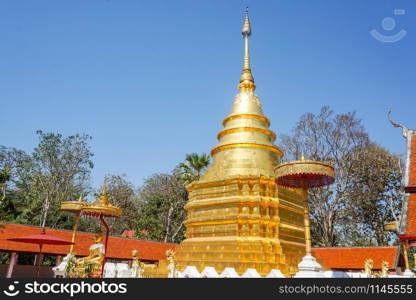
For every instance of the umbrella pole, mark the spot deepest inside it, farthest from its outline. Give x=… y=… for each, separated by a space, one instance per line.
x=106 y=242
x=71 y=250
x=306 y=221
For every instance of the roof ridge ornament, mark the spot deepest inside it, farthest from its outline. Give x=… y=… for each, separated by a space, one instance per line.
x=398 y=125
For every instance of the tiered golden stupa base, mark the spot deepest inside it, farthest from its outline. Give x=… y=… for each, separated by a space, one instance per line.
x=235 y=223
x=235 y=252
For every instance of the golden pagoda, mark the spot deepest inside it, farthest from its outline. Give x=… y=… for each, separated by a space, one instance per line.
x=237 y=216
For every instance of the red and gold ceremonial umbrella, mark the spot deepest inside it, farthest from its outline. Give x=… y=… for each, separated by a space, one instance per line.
x=40 y=239
x=102 y=209
x=304 y=174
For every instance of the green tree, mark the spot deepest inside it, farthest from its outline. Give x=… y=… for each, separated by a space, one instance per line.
x=123 y=194
x=193 y=167
x=61 y=169
x=161 y=207
x=14 y=166
x=327 y=137
x=4 y=178
x=367 y=190
x=374 y=193
x=58 y=170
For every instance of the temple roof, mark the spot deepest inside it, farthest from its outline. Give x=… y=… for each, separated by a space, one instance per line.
x=118 y=248
x=411 y=182
x=353 y=258
x=408 y=215
x=407 y=227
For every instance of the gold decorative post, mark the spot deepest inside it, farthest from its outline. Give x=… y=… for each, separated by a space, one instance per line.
x=405 y=254
x=76 y=220
x=308 y=239
x=393 y=227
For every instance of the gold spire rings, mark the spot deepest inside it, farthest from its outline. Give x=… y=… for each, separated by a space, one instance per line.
x=246 y=129
x=247 y=145
x=246 y=116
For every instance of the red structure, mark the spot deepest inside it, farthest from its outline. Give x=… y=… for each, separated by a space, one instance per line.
x=39 y=239
x=352 y=259
x=408 y=224
x=118 y=248
x=407 y=227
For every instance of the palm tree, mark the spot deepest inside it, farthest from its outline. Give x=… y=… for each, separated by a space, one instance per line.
x=193 y=167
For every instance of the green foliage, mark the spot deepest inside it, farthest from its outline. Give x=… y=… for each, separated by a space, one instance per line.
x=193 y=167
x=58 y=170
x=374 y=193
x=4 y=176
x=4 y=258
x=49 y=260
x=26 y=259
x=162 y=199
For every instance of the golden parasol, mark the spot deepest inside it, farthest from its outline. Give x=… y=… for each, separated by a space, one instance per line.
x=102 y=208
x=305 y=174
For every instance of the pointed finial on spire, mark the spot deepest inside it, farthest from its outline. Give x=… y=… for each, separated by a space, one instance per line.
x=246 y=26
x=103 y=198
x=302 y=157
x=104 y=191
x=246 y=80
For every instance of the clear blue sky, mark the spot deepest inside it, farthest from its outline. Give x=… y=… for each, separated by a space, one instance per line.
x=152 y=80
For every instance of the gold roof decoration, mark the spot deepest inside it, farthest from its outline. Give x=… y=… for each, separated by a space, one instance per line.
x=305 y=174
x=102 y=206
x=74 y=206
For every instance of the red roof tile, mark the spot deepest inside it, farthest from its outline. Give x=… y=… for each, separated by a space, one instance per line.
x=411 y=215
x=353 y=258
x=118 y=248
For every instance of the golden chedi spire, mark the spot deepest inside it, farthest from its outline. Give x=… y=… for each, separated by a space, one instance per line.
x=246 y=143
x=237 y=216
x=246 y=80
